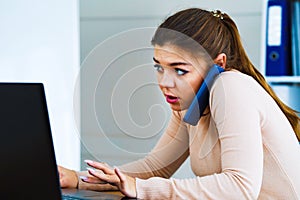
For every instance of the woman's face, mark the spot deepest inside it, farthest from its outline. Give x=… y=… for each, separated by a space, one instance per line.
x=179 y=75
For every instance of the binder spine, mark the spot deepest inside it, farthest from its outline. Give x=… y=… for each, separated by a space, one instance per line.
x=296 y=37
x=278 y=43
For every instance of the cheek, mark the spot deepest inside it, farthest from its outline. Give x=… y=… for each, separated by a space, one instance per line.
x=160 y=85
x=190 y=87
x=195 y=85
x=158 y=78
x=186 y=93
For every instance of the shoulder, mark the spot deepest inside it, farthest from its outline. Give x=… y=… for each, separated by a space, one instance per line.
x=235 y=83
x=235 y=91
x=233 y=77
x=237 y=99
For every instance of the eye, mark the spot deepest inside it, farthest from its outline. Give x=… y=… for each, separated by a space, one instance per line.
x=158 y=68
x=180 y=72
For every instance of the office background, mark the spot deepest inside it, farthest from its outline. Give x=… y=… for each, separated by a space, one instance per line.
x=103 y=137
x=65 y=43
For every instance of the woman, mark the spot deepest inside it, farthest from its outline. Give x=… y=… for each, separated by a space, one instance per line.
x=245 y=146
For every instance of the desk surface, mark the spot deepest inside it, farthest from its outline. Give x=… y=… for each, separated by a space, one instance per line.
x=117 y=195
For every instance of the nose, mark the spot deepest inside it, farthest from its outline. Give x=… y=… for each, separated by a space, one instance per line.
x=166 y=80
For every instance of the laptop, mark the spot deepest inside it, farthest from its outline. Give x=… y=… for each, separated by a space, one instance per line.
x=28 y=167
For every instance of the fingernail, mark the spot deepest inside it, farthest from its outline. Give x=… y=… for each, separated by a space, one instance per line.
x=90 y=169
x=116 y=168
x=88 y=161
x=83 y=178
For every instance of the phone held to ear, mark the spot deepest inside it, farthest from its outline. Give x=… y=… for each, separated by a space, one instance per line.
x=201 y=100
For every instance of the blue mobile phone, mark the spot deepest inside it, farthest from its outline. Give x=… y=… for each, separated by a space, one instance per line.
x=201 y=100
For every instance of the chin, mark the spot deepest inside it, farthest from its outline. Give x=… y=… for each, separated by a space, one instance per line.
x=178 y=108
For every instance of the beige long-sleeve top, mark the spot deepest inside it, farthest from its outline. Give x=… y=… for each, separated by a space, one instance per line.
x=244 y=148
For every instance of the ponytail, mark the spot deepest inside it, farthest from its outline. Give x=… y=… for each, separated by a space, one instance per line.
x=217 y=33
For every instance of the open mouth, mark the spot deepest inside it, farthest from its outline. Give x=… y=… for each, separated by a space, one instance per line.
x=172 y=99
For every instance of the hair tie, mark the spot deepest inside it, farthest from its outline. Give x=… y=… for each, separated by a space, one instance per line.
x=218 y=14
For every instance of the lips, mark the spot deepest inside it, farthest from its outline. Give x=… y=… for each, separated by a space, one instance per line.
x=172 y=99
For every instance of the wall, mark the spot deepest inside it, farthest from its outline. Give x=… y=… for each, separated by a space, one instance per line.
x=123 y=113
x=40 y=43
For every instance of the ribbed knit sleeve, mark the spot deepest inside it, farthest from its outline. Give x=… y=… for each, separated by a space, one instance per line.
x=166 y=157
x=236 y=112
x=169 y=153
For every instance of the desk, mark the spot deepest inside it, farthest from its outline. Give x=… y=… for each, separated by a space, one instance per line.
x=118 y=193
x=88 y=194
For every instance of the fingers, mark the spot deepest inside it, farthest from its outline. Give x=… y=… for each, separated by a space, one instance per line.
x=91 y=179
x=108 y=178
x=127 y=184
x=101 y=173
x=121 y=176
x=59 y=169
x=101 y=166
x=68 y=178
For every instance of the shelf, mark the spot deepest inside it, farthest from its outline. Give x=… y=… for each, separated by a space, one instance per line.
x=283 y=79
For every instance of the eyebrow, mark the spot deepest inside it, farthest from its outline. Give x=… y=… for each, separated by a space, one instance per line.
x=171 y=64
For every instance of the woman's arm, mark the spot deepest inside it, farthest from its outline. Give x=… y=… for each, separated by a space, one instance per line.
x=169 y=153
x=237 y=117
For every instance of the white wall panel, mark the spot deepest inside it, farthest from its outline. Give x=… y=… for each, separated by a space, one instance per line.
x=40 y=43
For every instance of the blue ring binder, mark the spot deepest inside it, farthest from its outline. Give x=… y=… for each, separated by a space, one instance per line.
x=278 y=43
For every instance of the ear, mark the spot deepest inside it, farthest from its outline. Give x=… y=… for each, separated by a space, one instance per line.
x=221 y=60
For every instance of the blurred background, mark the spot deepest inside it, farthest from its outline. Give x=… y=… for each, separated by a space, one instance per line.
x=95 y=59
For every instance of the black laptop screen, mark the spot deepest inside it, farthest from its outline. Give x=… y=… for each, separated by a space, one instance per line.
x=28 y=167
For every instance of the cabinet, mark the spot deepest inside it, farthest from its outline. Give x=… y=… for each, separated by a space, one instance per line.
x=286 y=87
x=283 y=79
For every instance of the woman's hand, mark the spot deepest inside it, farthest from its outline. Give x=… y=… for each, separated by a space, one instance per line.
x=68 y=178
x=126 y=184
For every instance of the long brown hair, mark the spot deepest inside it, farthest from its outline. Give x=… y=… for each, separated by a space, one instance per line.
x=217 y=33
